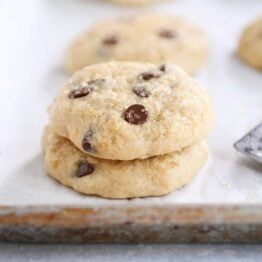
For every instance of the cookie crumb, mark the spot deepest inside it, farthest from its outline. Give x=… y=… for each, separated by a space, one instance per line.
x=250 y=197
x=226 y=184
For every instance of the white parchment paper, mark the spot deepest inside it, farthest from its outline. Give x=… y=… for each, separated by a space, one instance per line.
x=34 y=35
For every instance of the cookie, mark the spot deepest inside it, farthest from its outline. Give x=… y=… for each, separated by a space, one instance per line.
x=120 y=179
x=144 y=38
x=129 y=110
x=250 y=45
x=132 y=2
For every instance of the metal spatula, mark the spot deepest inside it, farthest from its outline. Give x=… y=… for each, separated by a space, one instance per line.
x=251 y=144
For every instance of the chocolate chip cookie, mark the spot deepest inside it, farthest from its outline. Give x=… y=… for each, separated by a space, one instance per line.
x=250 y=45
x=146 y=38
x=133 y=2
x=129 y=110
x=120 y=179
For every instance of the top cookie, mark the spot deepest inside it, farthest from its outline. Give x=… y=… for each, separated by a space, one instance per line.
x=250 y=45
x=128 y=110
x=144 y=38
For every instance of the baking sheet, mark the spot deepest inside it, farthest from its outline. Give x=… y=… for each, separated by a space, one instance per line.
x=34 y=36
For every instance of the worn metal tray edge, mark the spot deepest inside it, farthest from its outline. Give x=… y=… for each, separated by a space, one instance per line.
x=132 y=224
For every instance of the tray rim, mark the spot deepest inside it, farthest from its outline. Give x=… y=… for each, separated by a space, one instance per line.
x=134 y=224
x=183 y=214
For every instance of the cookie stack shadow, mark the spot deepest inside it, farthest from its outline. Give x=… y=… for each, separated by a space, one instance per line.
x=127 y=129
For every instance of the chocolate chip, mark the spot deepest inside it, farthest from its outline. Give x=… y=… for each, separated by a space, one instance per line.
x=162 y=68
x=84 y=168
x=77 y=93
x=141 y=91
x=110 y=40
x=148 y=75
x=86 y=141
x=136 y=114
x=167 y=33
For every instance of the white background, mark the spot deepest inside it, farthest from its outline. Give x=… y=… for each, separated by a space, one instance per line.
x=129 y=253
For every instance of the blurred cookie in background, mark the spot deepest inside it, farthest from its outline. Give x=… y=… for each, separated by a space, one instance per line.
x=133 y=2
x=145 y=38
x=250 y=44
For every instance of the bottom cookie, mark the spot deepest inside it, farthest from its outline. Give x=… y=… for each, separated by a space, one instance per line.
x=120 y=179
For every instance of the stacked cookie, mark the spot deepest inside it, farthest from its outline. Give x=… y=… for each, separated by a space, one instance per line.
x=127 y=129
